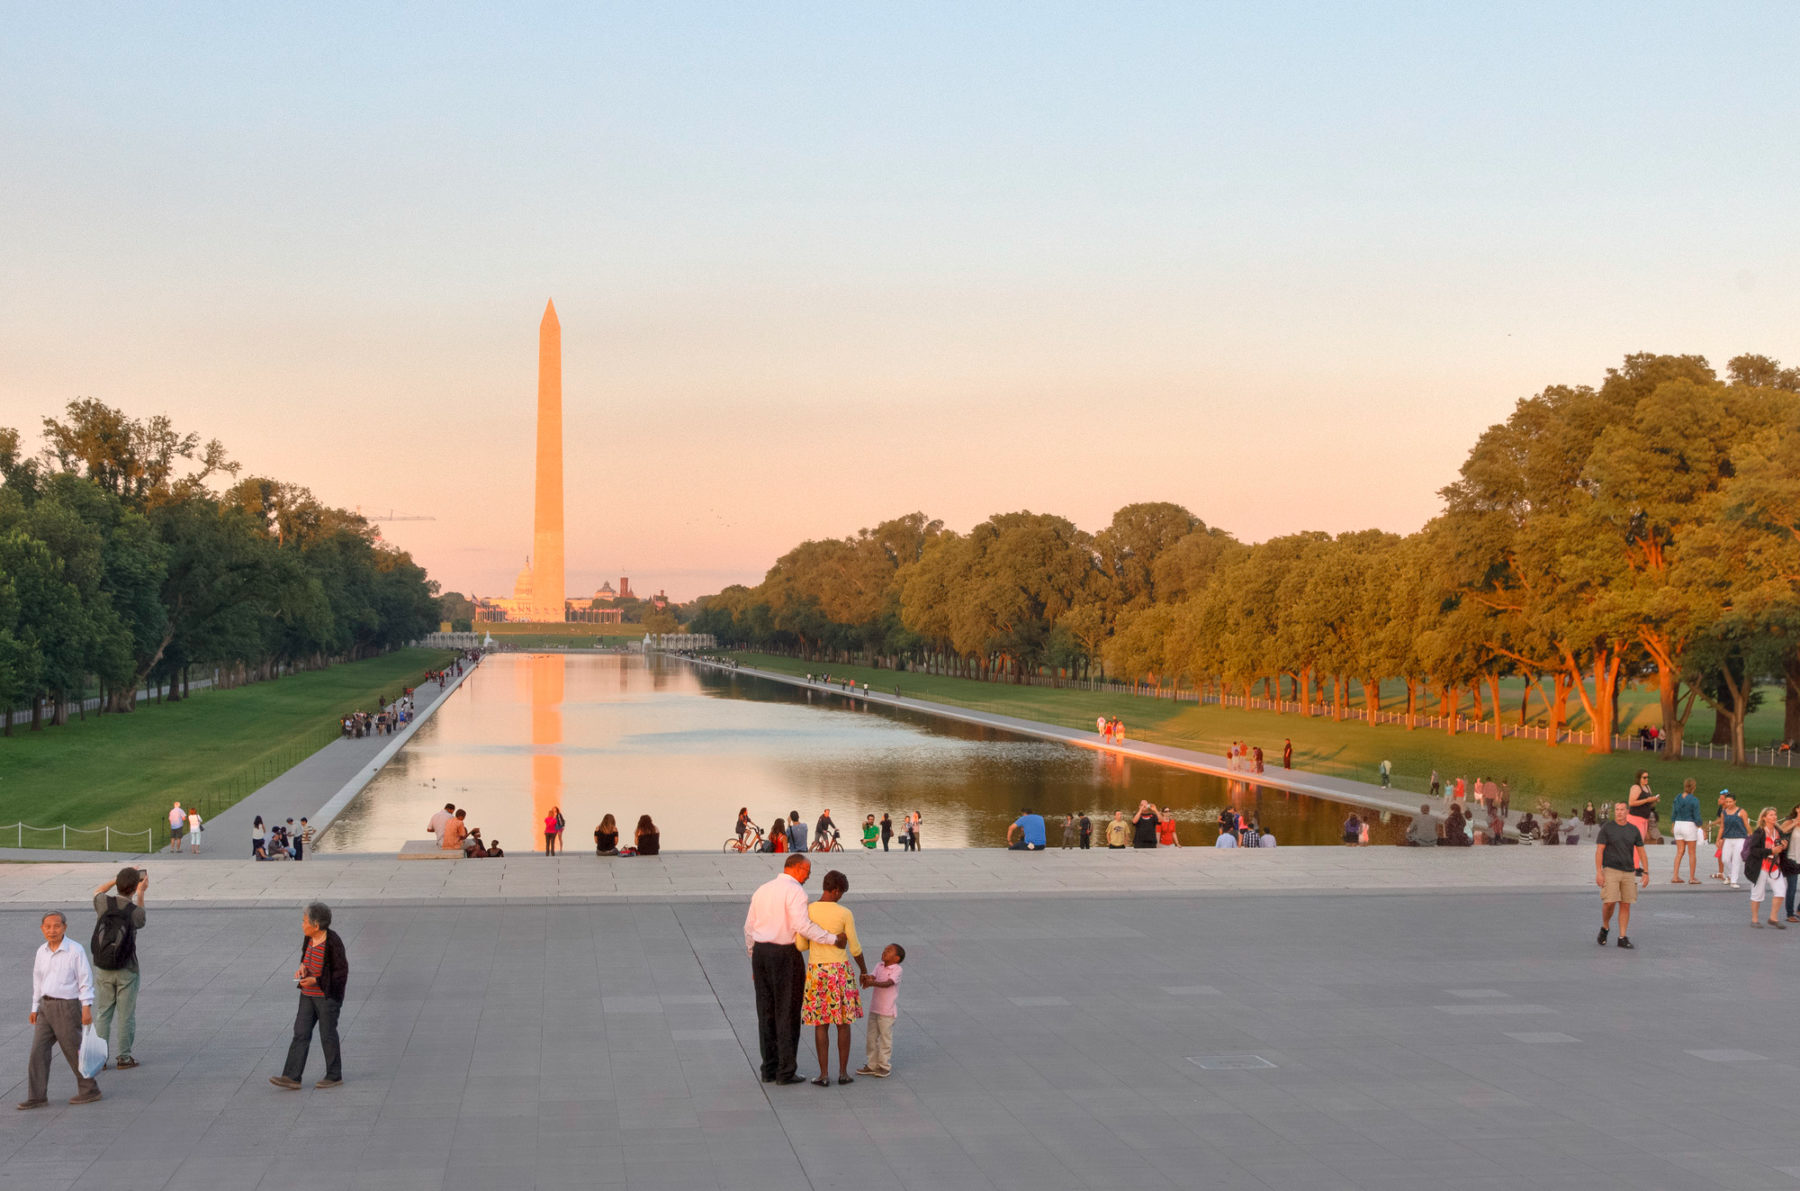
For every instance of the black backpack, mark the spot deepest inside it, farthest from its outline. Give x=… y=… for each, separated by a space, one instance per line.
x=114 y=945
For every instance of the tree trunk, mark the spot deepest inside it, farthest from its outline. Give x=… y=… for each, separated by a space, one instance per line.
x=1477 y=710
x=1559 y=707
x=1372 y=699
x=1306 y=691
x=1494 y=690
x=1790 y=717
x=1448 y=706
x=1412 y=705
x=37 y=713
x=1525 y=703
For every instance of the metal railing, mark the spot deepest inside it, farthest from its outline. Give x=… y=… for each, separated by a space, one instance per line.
x=62 y=831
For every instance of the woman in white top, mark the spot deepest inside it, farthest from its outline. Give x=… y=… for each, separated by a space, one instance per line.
x=194 y=830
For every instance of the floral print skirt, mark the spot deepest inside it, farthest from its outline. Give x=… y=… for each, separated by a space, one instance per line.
x=832 y=997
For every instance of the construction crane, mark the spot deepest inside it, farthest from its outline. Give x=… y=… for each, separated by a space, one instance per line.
x=392 y=516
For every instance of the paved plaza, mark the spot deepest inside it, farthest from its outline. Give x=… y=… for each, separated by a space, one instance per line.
x=1289 y=1039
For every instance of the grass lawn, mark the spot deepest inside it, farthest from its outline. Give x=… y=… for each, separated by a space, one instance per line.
x=1567 y=774
x=123 y=771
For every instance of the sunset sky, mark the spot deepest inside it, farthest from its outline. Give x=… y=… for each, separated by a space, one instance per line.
x=819 y=265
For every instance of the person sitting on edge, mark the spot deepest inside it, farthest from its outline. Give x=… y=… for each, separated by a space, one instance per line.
x=606 y=837
x=1227 y=839
x=493 y=849
x=473 y=848
x=649 y=839
x=439 y=821
x=1267 y=840
x=1030 y=831
x=1423 y=831
x=456 y=831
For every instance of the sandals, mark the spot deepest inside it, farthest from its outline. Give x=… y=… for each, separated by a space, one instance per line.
x=1676 y=881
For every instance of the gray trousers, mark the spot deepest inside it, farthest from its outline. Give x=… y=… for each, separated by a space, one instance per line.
x=58 y=1024
x=115 y=994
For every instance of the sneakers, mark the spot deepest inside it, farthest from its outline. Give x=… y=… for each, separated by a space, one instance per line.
x=1626 y=943
x=865 y=1069
x=1601 y=937
x=85 y=1097
x=282 y=1081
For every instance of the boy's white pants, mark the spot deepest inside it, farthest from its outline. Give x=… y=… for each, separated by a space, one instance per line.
x=880 y=1041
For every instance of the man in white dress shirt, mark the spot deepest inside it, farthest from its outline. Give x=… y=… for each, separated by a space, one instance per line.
x=777 y=914
x=62 y=1001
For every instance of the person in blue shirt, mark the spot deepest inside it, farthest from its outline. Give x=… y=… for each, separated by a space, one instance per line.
x=1687 y=832
x=1029 y=829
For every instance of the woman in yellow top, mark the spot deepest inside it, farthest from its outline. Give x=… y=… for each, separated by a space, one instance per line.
x=832 y=997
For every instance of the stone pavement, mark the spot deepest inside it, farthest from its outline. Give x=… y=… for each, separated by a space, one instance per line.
x=1406 y=1042
x=699 y=876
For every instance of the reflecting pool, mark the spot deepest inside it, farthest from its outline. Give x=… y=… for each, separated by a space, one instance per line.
x=596 y=734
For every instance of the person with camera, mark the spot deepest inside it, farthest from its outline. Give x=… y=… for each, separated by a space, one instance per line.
x=324 y=971
x=113 y=952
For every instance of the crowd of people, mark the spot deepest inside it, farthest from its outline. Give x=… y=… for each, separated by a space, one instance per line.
x=450 y=827
x=790 y=833
x=284 y=841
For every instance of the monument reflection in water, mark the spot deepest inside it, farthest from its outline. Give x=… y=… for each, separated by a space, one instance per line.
x=597 y=734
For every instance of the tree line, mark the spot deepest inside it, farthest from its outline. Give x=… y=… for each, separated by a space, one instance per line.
x=131 y=553
x=1645 y=529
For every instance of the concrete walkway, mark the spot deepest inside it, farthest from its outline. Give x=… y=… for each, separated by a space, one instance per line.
x=323 y=784
x=1335 y=789
x=1412 y=1042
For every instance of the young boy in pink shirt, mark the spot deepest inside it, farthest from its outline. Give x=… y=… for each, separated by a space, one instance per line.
x=883 y=1008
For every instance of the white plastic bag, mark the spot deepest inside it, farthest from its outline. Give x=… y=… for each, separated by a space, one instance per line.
x=93 y=1052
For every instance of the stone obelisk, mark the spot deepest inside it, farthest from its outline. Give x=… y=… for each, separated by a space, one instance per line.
x=547 y=525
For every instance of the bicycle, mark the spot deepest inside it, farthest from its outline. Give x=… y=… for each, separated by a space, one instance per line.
x=751 y=841
x=828 y=845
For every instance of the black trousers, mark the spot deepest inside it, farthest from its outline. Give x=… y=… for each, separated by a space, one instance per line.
x=324 y=1012
x=779 y=971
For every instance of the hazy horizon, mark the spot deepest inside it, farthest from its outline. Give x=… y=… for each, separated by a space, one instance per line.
x=819 y=267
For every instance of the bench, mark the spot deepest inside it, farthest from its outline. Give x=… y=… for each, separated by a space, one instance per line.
x=427 y=849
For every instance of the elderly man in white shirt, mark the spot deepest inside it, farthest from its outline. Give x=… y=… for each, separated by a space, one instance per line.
x=777 y=914
x=62 y=1001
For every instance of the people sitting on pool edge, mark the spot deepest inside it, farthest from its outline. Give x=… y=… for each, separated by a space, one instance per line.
x=1029 y=830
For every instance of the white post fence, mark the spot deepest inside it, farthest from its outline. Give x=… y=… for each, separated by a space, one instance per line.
x=62 y=831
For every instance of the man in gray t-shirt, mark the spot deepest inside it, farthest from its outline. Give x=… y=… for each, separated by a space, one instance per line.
x=1423 y=833
x=796 y=832
x=116 y=988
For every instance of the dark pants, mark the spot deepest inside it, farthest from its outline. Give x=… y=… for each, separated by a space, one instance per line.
x=779 y=972
x=1793 y=883
x=885 y=837
x=1084 y=842
x=323 y=1011
x=549 y=843
x=59 y=1025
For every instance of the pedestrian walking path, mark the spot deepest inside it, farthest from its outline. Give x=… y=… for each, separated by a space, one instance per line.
x=1336 y=789
x=1412 y=1042
x=323 y=784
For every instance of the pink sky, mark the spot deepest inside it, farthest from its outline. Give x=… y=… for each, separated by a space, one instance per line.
x=820 y=267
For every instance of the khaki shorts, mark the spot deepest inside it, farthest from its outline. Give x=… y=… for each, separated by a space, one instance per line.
x=1619 y=887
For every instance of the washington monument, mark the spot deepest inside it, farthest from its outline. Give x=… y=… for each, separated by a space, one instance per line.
x=547 y=524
